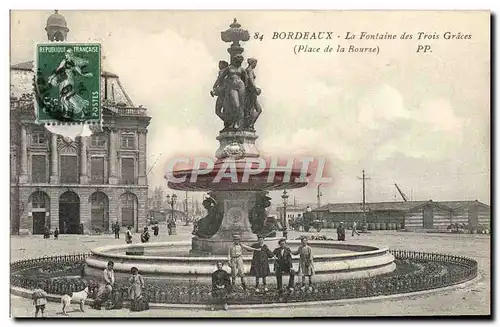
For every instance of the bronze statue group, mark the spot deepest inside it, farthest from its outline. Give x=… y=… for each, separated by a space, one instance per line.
x=223 y=283
x=237 y=105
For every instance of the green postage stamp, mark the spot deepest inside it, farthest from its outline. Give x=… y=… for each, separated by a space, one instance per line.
x=68 y=83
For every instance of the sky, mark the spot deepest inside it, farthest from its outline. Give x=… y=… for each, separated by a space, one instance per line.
x=419 y=120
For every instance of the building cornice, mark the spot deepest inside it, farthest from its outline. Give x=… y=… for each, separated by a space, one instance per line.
x=83 y=186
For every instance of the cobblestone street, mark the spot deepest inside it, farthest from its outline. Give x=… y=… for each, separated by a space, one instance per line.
x=473 y=299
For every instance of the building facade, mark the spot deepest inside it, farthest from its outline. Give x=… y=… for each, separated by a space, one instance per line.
x=80 y=185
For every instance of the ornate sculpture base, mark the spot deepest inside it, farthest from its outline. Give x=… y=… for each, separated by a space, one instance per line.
x=236 y=206
x=237 y=144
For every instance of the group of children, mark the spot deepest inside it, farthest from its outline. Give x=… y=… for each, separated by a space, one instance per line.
x=223 y=282
x=260 y=265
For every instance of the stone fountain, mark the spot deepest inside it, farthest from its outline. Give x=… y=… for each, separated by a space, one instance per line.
x=237 y=203
x=235 y=206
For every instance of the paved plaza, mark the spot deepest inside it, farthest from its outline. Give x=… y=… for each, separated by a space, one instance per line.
x=473 y=299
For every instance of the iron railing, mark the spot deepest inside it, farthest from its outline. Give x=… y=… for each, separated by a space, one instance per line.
x=439 y=270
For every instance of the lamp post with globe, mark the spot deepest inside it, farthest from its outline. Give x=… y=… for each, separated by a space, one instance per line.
x=284 y=196
x=171 y=200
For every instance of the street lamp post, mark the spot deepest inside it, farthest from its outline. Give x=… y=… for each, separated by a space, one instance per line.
x=171 y=200
x=284 y=196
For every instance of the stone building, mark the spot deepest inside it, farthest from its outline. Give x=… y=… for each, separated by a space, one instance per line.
x=83 y=184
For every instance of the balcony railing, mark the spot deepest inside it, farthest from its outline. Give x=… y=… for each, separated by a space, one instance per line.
x=22 y=104
x=27 y=104
x=131 y=111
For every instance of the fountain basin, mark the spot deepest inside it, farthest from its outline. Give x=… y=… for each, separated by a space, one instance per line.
x=332 y=261
x=242 y=179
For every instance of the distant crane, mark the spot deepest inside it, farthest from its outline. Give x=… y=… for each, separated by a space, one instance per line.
x=405 y=198
x=154 y=163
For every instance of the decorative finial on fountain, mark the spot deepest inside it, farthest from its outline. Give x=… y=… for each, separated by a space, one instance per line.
x=235 y=34
x=235 y=24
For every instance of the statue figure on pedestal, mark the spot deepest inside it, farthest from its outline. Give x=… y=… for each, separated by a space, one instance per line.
x=252 y=108
x=218 y=90
x=209 y=225
x=257 y=215
x=234 y=78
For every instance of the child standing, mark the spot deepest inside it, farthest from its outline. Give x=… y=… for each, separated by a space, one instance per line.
x=136 y=284
x=128 y=236
x=39 y=301
x=235 y=260
x=137 y=302
x=306 y=265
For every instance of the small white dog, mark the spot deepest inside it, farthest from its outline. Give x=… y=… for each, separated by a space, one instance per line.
x=78 y=297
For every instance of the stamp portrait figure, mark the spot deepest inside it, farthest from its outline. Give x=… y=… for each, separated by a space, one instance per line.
x=64 y=78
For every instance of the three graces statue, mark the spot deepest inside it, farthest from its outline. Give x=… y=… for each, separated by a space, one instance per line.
x=237 y=104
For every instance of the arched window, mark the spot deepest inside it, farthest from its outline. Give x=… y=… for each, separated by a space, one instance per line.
x=38 y=200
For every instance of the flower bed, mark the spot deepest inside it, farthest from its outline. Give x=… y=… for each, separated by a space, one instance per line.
x=415 y=271
x=317 y=238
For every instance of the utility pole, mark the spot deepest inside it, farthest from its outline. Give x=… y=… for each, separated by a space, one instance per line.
x=319 y=195
x=364 y=178
x=186 y=209
x=319 y=201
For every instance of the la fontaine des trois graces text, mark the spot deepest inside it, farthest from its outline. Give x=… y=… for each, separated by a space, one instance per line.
x=305 y=42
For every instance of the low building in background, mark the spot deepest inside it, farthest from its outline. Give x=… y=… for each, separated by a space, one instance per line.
x=411 y=215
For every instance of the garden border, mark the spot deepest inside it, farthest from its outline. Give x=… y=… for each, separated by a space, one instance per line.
x=461 y=280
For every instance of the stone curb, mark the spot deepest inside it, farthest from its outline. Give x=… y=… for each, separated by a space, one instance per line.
x=22 y=292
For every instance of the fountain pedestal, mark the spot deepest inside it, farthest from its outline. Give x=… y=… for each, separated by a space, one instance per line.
x=236 y=205
x=237 y=142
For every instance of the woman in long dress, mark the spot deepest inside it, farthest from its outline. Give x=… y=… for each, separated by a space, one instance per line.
x=136 y=284
x=72 y=103
x=260 y=263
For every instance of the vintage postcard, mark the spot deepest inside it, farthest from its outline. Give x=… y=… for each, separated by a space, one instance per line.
x=250 y=164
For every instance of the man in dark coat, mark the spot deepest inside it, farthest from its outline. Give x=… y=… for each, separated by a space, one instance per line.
x=46 y=232
x=221 y=286
x=283 y=265
x=145 y=235
x=117 y=230
x=260 y=263
x=341 y=232
x=156 y=229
